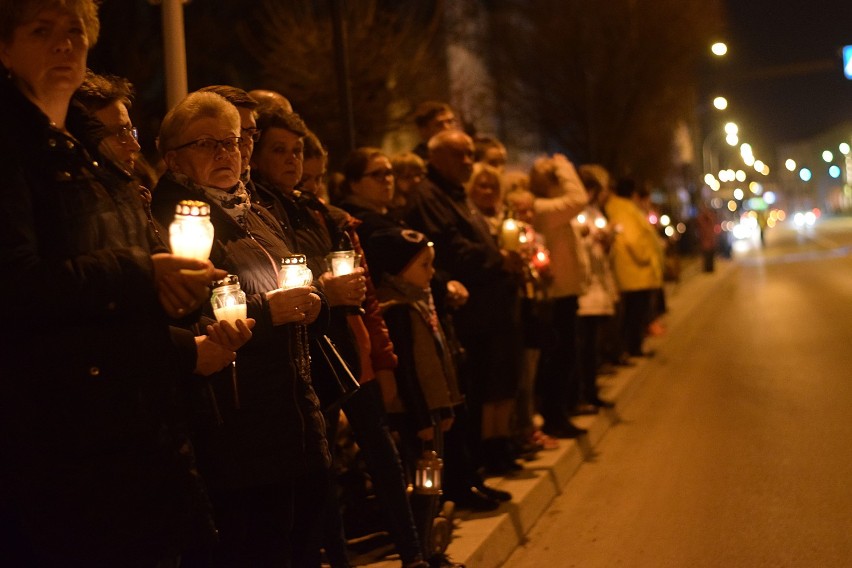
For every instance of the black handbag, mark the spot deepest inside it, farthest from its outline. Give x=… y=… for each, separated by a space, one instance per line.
x=333 y=380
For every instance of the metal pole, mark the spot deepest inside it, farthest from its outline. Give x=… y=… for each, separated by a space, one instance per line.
x=341 y=65
x=174 y=51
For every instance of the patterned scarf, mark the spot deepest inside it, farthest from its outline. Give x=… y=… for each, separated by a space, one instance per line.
x=235 y=202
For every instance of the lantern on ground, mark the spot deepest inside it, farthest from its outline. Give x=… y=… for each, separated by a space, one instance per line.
x=427 y=477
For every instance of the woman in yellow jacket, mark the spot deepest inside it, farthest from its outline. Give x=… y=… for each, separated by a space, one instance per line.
x=637 y=259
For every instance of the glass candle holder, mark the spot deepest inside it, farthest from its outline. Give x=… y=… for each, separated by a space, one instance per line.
x=427 y=477
x=228 y=300
x=191 y=232
x=510 y=234
x=294 y=272
x=342 y=262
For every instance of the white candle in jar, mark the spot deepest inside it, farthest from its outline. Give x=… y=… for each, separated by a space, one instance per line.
x=231 y=313
x=191 y=233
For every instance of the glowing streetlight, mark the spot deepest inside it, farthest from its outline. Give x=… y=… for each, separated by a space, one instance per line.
x=720 y=103
x=719 y=48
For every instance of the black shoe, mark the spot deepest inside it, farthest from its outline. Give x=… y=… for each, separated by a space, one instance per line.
x=585 y=409
x=495 y=494
x=602 y=403
x=566 y=430
x=474 y=500
x=441 y=560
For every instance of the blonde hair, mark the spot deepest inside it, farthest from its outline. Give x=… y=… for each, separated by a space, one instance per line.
x=197 y=105
x=481 y=168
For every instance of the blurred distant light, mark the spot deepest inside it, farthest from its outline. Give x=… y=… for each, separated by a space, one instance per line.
x=758 y=165
x=740 y=175
x=844 y=148
x=755 y=188
x=720 y=103
x=834 y=171
x=764 y=170
x=665 y=220
x=732 y=205
x=681 y=228
x=732 y=139
x=731 y=128
x=827 y=156
x=581 y=219
x=748 y=160
x=790 y=165
x=746 y=150
x=738 y=194
x=805 y=174
x=716 y=203
x=769 y=197
x=652 y=218
x=709 y=179
x=719 y=48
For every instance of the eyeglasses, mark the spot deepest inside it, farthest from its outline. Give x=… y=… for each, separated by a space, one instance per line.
x=210 y=145
x=125 y=134
x=379 y=175
x=253 y=133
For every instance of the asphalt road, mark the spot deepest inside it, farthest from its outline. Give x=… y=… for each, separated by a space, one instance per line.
x=736 y=451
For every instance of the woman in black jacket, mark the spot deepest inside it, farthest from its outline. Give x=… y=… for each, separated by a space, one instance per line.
x=94 y=471
x=255 y=434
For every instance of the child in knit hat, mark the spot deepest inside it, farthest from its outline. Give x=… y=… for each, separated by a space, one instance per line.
x=427 y=388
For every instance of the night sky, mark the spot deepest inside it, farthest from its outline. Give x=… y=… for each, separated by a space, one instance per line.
x=784 y=77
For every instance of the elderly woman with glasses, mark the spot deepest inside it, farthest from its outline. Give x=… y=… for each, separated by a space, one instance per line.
x=94 y=469
x=256 y=428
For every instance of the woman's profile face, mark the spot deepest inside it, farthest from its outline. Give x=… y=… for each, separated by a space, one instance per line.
x=47 y=55
x=376 y=183
x=214 y=164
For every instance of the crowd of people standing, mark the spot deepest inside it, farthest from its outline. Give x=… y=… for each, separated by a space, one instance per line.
x=137 y=430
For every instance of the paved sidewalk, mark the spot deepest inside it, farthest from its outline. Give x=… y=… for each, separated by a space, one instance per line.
x=486 y=540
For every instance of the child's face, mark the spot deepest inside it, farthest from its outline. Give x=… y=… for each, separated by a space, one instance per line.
x=420 y=271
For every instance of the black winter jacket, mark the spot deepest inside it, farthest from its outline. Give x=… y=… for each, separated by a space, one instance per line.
x=278 y=431
x=93 y=470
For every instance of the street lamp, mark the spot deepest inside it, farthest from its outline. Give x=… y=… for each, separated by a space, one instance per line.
x=174 y=50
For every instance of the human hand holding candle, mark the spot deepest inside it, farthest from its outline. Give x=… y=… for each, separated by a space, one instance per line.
x=211 y=357
x=231 y=336
x=347 y=290
x=292 y=305
x=182 y=283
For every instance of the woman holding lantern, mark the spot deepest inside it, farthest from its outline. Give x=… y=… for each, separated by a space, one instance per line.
x=257 y=427
x=94 y=469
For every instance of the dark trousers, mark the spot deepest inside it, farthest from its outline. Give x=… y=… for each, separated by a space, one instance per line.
x=638 y=305
x=589 y=341
x=366 y=415
x=557 y=383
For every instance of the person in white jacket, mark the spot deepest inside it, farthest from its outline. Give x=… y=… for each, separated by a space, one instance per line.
x=560 y=196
